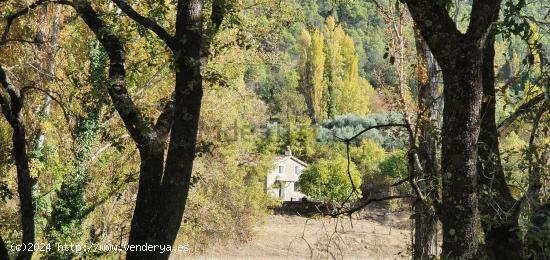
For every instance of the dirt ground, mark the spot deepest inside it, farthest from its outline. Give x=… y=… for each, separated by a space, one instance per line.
x=374 y=234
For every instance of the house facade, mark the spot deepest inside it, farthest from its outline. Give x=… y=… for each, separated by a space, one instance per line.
x=282 y=181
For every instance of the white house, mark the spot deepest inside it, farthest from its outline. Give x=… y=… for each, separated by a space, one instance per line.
x=282 y=181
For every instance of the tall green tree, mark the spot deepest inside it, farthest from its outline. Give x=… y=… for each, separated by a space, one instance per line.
x=329 y=73
x=312 y=69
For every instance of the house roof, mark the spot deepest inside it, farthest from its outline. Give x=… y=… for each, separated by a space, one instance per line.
x=282 y=158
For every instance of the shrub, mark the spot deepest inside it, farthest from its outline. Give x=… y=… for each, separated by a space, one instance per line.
x=394 y=167
x=368 y=156
x=327 y=180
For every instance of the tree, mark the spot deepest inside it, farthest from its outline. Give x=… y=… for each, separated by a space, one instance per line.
x=312 y=66
x=501 y=235
x=11 y=102
x=394 y=166
x=425 y=220
x=460 y=56
x=352 y=91
x=333 y=37
x=501 y=225
x=165 y=174
x=329 y=73
x=70 y=207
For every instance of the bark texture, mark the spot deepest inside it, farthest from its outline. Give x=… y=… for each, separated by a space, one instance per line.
x=425 y=246
x=461 y=58
x=500 y=219
x=3 y=249
x=164 y=176
x=11 y=102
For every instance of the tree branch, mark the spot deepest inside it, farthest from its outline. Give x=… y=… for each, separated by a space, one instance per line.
x=370 y=128
x=535 y=169
x=413 y=163
x=535 y=182
x=483 y=15
x=136 y=125
x=148 y=23
x=436 y=27
x=504 y=126
x=56 y=100
x=12 y=17
x=15 y=103
x=6 y=41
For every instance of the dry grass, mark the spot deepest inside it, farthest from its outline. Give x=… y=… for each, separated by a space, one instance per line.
x=372 y=234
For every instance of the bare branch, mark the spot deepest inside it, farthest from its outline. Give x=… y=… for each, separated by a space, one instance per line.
x=413 y=164
x=397 y=183
x=366 y=203
x=14 y=16
x=6 y=41
x=354 y=188
x=370 y=128
x=56 y=100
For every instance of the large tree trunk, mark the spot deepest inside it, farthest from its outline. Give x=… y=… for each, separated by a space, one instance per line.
x=188 y=96
x=462 y=95
x=12 y=109
x=3 y=250
x=24 y=186
x=425 y=235
x=163 y=185
x=151 y=148
x=144 y=225
x=461 y=58
x=500 y=223
x=175 y=182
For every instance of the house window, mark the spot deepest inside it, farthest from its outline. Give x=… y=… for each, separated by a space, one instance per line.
x=296 y=170
x=281 y=170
